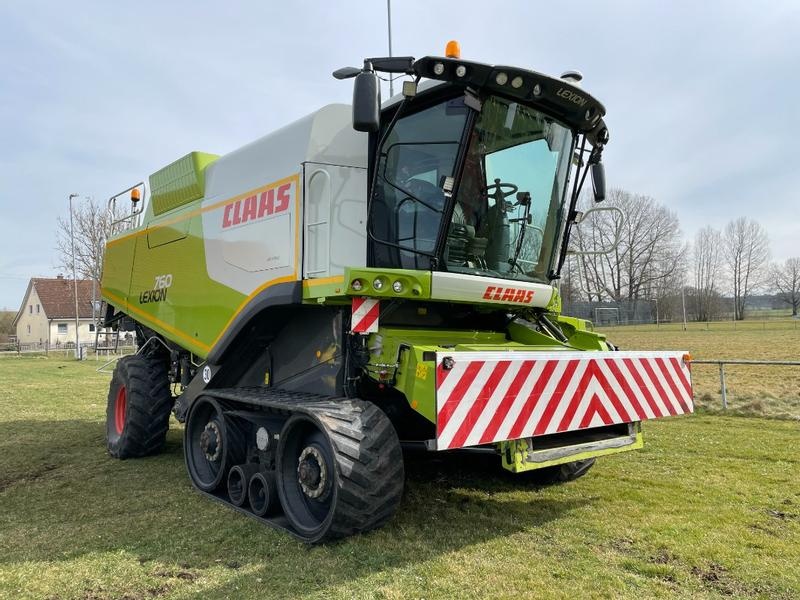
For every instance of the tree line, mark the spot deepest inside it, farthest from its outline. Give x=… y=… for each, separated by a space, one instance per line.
x=652 y=262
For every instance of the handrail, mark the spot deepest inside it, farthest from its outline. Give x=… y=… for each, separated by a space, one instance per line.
x=617 y=231
x=112 y=206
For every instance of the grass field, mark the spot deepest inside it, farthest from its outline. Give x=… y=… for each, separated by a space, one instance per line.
x=757 y=390
x=709 y=509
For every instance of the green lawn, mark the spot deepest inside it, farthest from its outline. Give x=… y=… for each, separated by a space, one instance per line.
x=710 y=508
x=764 y=390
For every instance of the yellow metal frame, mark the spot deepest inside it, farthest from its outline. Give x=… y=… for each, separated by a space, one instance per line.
x=518 y=450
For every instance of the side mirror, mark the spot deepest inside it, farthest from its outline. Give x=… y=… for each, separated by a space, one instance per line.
x=366 y=102
x=599 y=181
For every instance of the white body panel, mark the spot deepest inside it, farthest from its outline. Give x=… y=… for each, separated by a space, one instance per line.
x=335 y=219
x=325 y=136
x=253 y=209
x=460 y=287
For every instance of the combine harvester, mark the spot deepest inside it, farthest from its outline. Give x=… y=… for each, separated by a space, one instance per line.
x=371 y=277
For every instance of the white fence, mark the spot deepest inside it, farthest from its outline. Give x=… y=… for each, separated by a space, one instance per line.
x=733 y=361
x=87 y=349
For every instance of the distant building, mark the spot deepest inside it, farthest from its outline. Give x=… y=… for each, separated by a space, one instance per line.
x=47 y=313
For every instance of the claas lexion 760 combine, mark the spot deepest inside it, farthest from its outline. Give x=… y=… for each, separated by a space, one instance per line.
x=371 y=277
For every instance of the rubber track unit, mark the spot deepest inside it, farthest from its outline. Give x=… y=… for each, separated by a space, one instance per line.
x=149 y=403
x=369 y=459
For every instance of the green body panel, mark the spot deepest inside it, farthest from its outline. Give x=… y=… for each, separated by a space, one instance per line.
x=581 y=334
x=554 y=306
x=193 y=310
x=401 y=361
x=416 y=284
x=327 y=290
x=117 y=266
x=180 y=182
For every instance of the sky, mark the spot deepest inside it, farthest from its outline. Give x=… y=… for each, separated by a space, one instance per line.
x=703 y=98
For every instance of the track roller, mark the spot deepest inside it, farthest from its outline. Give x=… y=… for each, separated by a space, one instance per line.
x=238 y=481
x=263 y=494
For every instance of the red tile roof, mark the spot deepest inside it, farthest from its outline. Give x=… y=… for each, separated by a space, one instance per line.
x=58 y=297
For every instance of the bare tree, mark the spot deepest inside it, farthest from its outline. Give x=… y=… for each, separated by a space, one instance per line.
x=746 y=253
x=648 y=260
x=92 y=223
x=786 y=278
x=707 y=272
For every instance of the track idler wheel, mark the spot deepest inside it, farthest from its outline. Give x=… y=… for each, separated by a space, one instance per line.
x=211 y=444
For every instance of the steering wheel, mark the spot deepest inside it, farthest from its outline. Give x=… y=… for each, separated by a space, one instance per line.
x=500 y=193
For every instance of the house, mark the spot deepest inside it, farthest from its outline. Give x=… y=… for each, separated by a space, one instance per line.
x=47 y=313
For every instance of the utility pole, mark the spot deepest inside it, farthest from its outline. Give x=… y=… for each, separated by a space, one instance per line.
x=683 y=302
x=74 y=277
x=389 y=19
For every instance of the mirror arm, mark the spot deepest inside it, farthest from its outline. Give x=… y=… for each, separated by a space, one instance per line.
x=596 y=155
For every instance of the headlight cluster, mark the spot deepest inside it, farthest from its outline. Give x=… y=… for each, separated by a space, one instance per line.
x=381 y=284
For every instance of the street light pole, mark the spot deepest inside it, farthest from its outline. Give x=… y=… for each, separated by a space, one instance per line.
x=74 y=277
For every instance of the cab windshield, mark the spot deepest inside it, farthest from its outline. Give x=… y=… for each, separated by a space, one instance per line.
x=493 y=190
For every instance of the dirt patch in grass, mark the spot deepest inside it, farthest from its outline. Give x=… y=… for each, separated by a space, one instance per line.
x=27 y=477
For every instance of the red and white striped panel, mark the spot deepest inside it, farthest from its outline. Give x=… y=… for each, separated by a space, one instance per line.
x=493 y=396
x=365 y=315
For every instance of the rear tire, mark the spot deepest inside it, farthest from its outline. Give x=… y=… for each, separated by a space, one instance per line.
x=139 y=404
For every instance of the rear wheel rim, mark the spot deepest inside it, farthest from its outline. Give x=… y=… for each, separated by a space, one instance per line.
x=120 y=409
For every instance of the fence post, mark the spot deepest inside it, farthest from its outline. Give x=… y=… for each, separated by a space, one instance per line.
x=722 y=386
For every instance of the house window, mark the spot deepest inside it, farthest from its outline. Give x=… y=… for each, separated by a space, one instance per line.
x=30 y=308
x=91 y=327
x=62 y=328
x=29 y=328
x=37 y=309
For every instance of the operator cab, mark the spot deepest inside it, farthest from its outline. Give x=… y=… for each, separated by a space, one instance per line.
x=472 y=175
x=471 y=192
